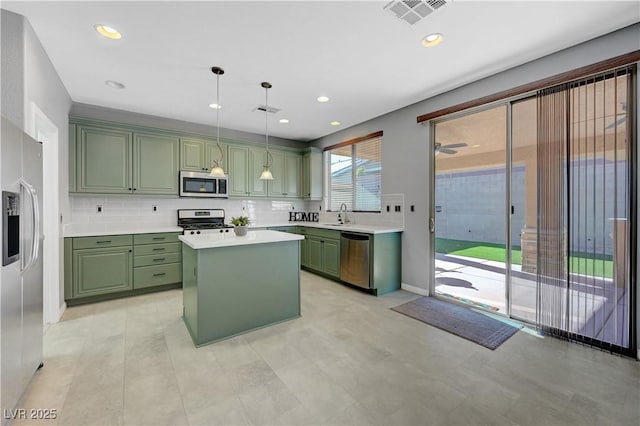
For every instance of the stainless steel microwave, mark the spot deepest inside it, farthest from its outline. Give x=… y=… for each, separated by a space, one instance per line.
x=199 y=184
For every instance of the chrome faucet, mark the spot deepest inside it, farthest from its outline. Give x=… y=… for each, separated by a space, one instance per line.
x=343 y=209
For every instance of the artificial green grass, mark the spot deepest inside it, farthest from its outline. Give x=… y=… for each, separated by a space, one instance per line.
x=585 y=264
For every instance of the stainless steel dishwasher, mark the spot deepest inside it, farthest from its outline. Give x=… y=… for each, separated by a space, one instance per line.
x=354 y=259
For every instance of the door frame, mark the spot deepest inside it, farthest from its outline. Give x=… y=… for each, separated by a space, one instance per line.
x=42 y=129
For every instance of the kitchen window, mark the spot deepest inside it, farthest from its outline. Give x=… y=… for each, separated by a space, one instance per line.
x=354 y=174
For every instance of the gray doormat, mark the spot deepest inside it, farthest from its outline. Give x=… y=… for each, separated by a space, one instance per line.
x=458 y=320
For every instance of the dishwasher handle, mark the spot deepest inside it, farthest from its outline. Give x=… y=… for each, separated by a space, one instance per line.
x=352 y=236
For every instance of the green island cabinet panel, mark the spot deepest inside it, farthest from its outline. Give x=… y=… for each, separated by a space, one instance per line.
x=102 y=271
x=155 y=164
x=220 y=301
x=238 y=171
x=331 y=257
x=103 y=160
x=257 y=160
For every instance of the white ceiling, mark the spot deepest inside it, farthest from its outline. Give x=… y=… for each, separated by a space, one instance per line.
x=367 y=62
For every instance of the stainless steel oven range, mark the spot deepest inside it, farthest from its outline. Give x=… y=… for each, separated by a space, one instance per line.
x=202 y=221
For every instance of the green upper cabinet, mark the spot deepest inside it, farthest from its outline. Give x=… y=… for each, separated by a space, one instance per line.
x=275 y=187
x=238 y=171
x=214 y=153
x=103 y=160
x=111 y=160
x=192 y=155
x=257 y=160
x=155 y=160
x=198 y=155
x=72 y=158
x=312 y=174
x=286 y=168
x=293 y=171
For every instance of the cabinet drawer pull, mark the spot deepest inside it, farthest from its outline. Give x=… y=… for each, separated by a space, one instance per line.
x=103 y=242
x=159 y=238
x=160 y=275
x=159 y=259
x=159 y=249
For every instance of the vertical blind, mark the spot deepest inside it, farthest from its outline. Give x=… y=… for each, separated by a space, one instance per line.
x=584 y=283
x=354 y=173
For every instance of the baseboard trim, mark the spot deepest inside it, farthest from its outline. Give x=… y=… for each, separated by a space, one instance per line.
x=414 y=289
x=63 y=307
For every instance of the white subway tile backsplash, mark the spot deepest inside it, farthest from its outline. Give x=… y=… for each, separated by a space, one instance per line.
x=118 y=210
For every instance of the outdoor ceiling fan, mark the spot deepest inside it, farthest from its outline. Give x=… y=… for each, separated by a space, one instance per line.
x=620 y=120
x=447 y=149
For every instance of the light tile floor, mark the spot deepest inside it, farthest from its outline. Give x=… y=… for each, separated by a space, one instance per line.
x=348 y=360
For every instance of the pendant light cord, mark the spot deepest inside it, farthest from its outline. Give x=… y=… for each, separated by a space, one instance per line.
x=266 y=120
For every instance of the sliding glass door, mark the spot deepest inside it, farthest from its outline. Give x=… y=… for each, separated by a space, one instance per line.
x=532 y=209
x=470 y=212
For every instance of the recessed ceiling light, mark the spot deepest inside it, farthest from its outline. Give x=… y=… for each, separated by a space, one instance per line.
x=215 y=106
x=284 y=120
x=335 y=123
x=432 y=40
x=108 y=32
x=114 y=84
x=322 y=99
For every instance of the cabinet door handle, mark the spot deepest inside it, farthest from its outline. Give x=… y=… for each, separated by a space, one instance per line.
x=103 y=242
x=159 y=249
x=159 y=259
x=159 y=238
x=135 y=189
x=160 y=275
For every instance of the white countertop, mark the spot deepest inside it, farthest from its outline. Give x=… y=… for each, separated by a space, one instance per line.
x=227 y=240
x=93 y=230
x=366 y=229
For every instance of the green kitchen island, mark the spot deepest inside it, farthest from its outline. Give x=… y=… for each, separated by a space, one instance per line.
x=232 y=285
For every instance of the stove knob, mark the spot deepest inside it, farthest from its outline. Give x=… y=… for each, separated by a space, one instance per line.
x=192 y=232
x=226 y=230
x=198 y=232
x=221 y=231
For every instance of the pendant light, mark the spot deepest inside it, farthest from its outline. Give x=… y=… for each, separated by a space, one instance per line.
x=216 y=169
x=266 y=170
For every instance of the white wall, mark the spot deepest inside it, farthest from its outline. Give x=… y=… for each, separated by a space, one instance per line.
x=28 y=76
x=134 y=118
x=405 y=147
x=43 y=87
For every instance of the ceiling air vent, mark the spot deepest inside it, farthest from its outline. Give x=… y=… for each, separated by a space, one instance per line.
x=411 y=11
x=263 y=108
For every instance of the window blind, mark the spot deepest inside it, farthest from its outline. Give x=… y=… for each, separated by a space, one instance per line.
x=355 y=174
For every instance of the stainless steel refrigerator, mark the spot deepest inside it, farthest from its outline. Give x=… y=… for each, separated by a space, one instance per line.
x=21 y=277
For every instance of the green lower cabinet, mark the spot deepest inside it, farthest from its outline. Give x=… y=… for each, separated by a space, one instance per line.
x=314 y=253
x=322 y=255
x=152 y=276
x=331 y=257
x=102 y=271
x=100 y=268
x=304 y=257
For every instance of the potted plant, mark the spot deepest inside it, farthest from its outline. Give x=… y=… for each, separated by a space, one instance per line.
x=240 y=225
